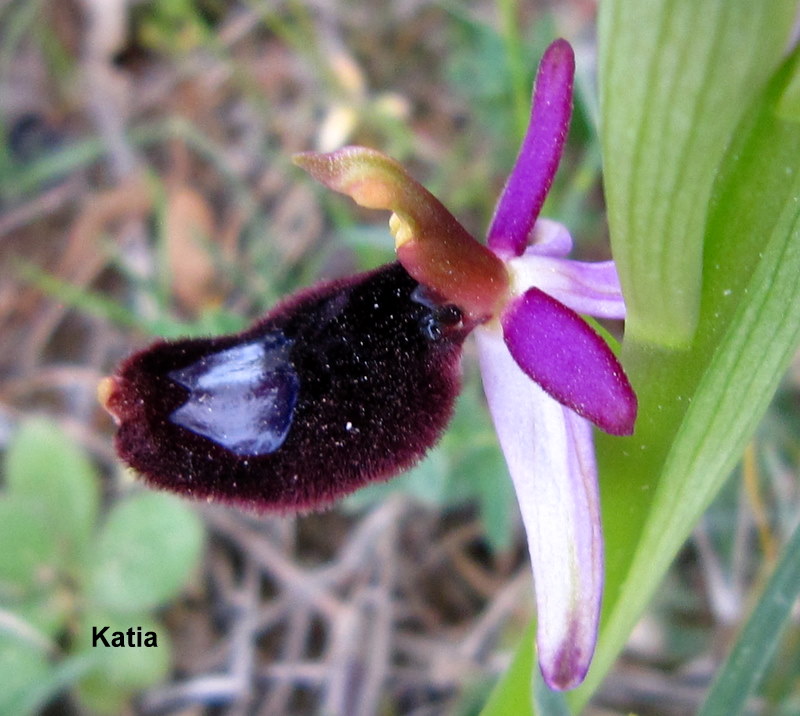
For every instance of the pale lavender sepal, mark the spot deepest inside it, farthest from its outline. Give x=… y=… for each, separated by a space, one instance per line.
x=550 y=456
x=549 y=238
x=589 y=288
x=538 y=158
x=555 y=347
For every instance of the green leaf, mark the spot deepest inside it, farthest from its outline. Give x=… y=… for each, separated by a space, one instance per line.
x=756 y=644
x=23 y=667
x=89 y=302
x=147 y=549
x=46 y=610
x=426 y=482
x=514 y=694
x=44 y=465
x=29 y=556
x=675 y=76
x=486 y=470
x=789 y=104
x=57 y=678
x=120 y=671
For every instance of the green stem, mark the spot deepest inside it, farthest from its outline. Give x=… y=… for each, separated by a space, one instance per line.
x=512 y=38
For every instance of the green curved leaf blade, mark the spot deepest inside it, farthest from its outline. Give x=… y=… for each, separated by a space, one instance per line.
x=146 y=551
x=29 y=557
x=514 y=694
x=23 y=667
x=42 y=464
x=675 y=76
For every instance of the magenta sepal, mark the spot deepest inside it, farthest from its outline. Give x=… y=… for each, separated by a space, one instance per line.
x=538 y=158
x=556 y=348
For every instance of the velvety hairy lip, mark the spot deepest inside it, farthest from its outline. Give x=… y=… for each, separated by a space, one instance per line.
x=340 y=385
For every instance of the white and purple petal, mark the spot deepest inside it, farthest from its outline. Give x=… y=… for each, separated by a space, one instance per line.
x=589 y=288
x=555 y=347
x=538 y=158
x=550 y=456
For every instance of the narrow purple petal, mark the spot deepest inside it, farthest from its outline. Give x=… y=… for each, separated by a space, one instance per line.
x=550 y=456
x=539 y=155
x=589 y=288
x=560 y=351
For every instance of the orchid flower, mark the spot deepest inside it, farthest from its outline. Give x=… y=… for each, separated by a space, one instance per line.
x=354 y=380
x=546 y=373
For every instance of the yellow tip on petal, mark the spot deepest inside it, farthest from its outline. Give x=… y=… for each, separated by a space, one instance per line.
x=401 y=230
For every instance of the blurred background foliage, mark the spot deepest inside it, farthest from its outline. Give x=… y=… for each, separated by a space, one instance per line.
x=146 y=190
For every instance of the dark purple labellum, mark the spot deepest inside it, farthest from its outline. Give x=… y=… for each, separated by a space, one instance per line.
x=342 y=384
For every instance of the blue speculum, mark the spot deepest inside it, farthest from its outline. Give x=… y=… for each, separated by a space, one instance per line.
x=242 y=398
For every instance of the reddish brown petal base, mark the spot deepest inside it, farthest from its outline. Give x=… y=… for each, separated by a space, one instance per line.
x=338 y=386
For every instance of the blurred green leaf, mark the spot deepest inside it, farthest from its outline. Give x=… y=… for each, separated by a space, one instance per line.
x=57 y=678
x=371 y=244
x=44 y=465
x=46 y=609
x=119 y=672
x=789 y=104
x=146 y=550
x=23 y=668
x=494 y=72
x=486 y=471
x=427 y=482
x=514 y=694
x=30 y=547
x=482 y=73
x=756 y=643
x=675 y=77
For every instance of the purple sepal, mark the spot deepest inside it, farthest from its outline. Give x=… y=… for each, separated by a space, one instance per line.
x=539 y=155
x=555 y=347
x=550 y=456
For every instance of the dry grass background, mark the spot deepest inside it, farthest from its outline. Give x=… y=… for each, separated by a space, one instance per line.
x=132 y=129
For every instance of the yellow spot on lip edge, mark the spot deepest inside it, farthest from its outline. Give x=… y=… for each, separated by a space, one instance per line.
x=105 y=388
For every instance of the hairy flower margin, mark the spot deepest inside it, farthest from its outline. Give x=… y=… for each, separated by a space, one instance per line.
x=354 y=380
